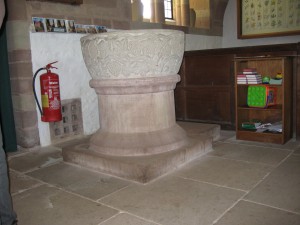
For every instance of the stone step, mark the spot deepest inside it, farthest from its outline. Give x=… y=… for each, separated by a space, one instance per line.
x=144 y=169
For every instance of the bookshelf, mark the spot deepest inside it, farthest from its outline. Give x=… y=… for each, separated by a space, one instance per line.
x=281 y=112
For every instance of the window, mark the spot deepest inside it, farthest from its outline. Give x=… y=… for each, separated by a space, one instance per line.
x=147 y=9
x=168 y=9
x=168 y=5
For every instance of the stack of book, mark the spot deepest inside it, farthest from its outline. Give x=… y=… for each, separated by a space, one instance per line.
x=241 y=78
x=249 y=76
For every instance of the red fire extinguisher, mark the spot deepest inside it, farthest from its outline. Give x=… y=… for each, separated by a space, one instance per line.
x=50 y=95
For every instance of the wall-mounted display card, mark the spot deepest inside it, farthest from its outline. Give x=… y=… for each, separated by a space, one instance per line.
x=60 y=25
x=39 y=24
x=91 y=29
x=101 y=29
x=80 y=28
x=70 y=25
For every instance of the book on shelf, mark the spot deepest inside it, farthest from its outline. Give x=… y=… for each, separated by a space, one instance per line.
x=249 y=76
x=249 y=70
x=254 y=82
x=254 y=79
x=241 y=78
x=258 y=76
x=252 y=75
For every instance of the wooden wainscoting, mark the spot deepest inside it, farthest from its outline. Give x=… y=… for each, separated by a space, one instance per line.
x=206 y=91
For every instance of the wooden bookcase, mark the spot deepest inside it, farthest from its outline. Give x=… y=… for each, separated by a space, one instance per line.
x=282 y=111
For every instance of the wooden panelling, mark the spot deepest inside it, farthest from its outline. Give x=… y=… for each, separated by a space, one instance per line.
x=206 y=90
x=208 y=70
x=209 y=104
x=206 y=93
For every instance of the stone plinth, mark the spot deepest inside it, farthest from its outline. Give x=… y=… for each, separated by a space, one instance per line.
x=134 y=74
x=144 y=169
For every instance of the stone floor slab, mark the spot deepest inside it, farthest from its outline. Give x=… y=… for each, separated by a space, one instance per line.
x=46 y=205
x=250 y=153
x=174 y=201
x=225 y=172
x=247 y=213
x=297 y=151
x=20 y=182
x=81 y=181
x=126 y=219
x=35 y=159
x=282 y=187
x=168 y=200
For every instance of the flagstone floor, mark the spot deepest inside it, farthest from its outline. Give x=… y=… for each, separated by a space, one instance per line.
x=237 y=183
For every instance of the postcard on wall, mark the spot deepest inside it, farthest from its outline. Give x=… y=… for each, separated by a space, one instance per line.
x=91 y=29
x=80 y=28
x=59 y=25
x=39 y=24
x=50 y=24
x=101 y=29
x=70 y=25
x=269 y=17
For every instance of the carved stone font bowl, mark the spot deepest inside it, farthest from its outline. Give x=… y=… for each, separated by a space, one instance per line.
x=133 y=53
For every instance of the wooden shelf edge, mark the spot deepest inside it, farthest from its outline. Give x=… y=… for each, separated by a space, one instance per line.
x=260 y=137
x=277 y=107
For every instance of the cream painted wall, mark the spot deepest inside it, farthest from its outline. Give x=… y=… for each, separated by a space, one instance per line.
x=230 y=32
x=74 y=77
x=200 y=42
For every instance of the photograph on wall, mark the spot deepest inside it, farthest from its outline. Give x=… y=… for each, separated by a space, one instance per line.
x=100 y=29
x=258 y=18
x=50 y=24
x=39 y=24
x=80 y=28
x=59 y=25
x=91 y=29
x=70 y=26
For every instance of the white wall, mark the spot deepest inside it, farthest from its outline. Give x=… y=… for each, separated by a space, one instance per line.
x=230 y=32
x=74 y=77
x=200 y=42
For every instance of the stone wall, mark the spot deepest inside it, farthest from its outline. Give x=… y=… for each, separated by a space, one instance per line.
x=20 y=67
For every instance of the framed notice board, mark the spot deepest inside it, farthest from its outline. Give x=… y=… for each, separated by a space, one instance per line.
x=267 y=18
